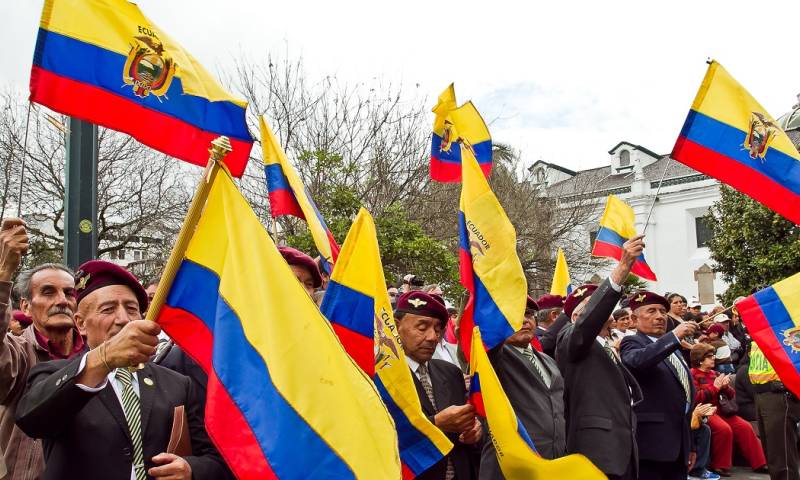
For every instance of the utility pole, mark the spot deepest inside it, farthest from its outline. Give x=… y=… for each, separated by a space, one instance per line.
x=80 y=200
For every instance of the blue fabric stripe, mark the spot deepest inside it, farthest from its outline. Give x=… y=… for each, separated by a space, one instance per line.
x=524 y=434
x=349 y=308
x=102 y=68
x=287 y=440
x=495 y=329
x=483 y=151
x=416 y=449
x=606 y=235
x=729 y=141
x=779 y=320
x=463 y=237
x=276 y=180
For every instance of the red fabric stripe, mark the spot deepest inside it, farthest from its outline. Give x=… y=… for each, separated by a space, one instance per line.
x=225 y=424
x=407 y=473
x=448 y=172
x=751 y=182
x=360 y=348
x=641 y=269
x=536 y=344
x=476 y=400
x=467 y=316
x=282 y=202
x=759 y=327
x=159 y=131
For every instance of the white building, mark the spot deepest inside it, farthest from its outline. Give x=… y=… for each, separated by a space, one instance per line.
x=676 y=232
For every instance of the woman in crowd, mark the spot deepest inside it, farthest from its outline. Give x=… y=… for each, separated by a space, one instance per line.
x=727 y=428
x=677 y=310
x=722 y=351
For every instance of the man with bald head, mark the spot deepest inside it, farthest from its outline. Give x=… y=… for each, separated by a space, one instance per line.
x=653 y=356
x=107 y=414
x=599 y=389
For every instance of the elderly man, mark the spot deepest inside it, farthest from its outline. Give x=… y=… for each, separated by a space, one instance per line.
x=550 y=307
x=103 y=415
x=535 y=388
x=653 y=356
x=421 y=320
x=304 y=268
x=48 y=297
x=599 y=390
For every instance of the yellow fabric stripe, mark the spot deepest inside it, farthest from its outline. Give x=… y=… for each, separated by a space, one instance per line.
x=721 y=97
x=273 y=153
x=619 y=217
x=560 y=275
x=498 y=265
x=469 y=124
x=788 y=291
x=445 y=105
x=114 y=24
x=305 y=359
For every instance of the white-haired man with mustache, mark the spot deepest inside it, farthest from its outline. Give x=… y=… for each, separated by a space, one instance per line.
x=48 y=296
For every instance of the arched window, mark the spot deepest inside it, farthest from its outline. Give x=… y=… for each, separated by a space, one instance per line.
x=624 y=158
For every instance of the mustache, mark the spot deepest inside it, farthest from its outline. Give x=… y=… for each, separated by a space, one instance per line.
x=59 y=310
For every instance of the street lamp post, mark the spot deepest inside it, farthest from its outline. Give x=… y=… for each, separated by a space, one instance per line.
x=80 y=199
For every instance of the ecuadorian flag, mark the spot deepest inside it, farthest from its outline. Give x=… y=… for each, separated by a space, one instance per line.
x=561 y=282
x=489 y=266
x=358 y=307
x=284 y=398
x=453 y=126
x=617 y=225
x=515 y=449
x=772 y=317
x=288 y=196
x=103 y=61
x=731 y=137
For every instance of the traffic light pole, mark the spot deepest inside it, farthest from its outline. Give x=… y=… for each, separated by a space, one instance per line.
x=80 y=199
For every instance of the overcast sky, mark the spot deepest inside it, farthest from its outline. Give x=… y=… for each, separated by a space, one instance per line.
x=561 y=81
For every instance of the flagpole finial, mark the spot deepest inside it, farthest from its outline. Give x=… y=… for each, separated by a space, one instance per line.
x=220 y=147
x=709 y=60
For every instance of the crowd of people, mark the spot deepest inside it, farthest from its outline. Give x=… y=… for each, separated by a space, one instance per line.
x=644 y=385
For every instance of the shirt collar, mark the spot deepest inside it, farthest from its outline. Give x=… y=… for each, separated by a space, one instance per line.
x=521 y=349
x=45 y=343
x=413 y=364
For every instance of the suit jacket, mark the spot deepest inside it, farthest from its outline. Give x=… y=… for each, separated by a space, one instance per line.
x=86 y=434
x=663 y=415
x=539 y=408
x=448 y=389
x=550 y=336
x=599 y=392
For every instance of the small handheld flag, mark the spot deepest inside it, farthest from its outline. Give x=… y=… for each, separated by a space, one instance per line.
x=454 y=126
x=561 y=282
x=489 y=266
x=731 y=137
x=105 y=62
x=357 y=304
x=515 y=450
x=617 y=225
x=288 y=196
x=772 y=318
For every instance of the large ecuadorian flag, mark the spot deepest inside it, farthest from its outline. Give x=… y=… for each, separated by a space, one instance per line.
x=103 y=61
x=453 y=126
x=772 y=318
x=731 y=137
x=284 y=398
x=516 y=453
x=288 y=196
x=489 y=266
x=357 y=304
x=617 y=225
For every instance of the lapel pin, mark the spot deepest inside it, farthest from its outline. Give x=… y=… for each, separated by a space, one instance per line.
x=148 y=381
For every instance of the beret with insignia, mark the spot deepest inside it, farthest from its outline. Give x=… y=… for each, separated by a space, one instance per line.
x=423 y=304
x=577 y=296
x=643 y=297
x=96 y=274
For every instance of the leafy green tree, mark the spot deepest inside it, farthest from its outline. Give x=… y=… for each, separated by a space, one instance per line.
x=751 y=245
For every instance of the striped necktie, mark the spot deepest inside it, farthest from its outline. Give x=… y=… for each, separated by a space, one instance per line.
x=425 y=380
x=682 y=376
x=133 y=415
x=528 y=353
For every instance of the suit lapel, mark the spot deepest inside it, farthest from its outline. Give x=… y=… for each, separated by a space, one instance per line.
x=146 y=394
x=522 y=358
x=423 y=397
x=112 y=403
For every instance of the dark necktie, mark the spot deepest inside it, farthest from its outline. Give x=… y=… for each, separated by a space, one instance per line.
x=425 y=380
x=133 y=415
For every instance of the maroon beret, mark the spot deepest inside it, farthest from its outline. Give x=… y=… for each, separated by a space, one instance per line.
x=423 y=304
x=96 y=274
x=531 y=305
x=23 y=319
x=577 y=296
x=716 y=328
x=294 y=256
x=643 y=297
x=550 y=301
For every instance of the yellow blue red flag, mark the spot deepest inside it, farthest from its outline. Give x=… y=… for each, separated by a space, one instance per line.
x=617 y=225
x=772 y=318
x=357 y=304
x=105 y=62
x=288 y=196
x=731 y=137
x=561 y=282
x=489 y=266
x=516 y=452
x=284 y=399
x=454 y=126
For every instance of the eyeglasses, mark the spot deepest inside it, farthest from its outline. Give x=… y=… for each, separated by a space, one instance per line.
x=709 y=355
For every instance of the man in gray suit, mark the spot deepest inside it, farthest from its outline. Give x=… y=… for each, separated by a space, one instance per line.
x=535 y=388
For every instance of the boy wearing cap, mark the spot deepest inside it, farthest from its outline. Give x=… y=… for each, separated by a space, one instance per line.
x=102 y=416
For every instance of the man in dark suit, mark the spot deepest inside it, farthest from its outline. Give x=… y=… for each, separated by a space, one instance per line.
x=653 y=356
x=535 y=388
x=421 y=319
x=599 y=390
x=98 y=415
